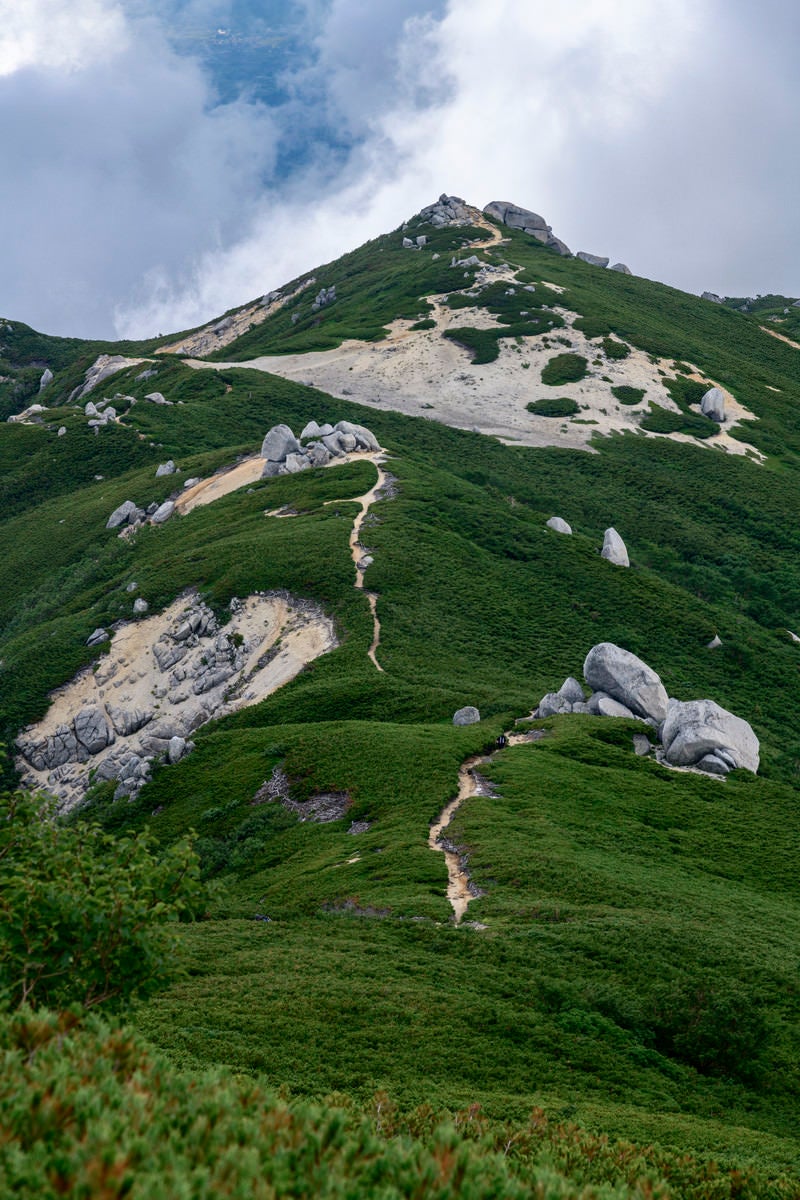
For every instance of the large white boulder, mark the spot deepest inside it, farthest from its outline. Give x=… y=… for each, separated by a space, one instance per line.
x=624 y=677
x=559 y=524
x=614 y=549
x=279 y=442
x=696 y=728
x=713 y=404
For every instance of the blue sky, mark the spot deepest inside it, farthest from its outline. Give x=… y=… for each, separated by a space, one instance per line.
x=148 y=184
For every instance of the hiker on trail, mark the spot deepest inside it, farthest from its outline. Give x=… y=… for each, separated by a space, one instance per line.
x=502 y=741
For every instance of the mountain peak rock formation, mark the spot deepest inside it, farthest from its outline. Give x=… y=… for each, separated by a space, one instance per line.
x=292 y=580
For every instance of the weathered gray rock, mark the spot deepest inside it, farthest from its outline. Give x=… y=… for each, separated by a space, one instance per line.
x=696 y=728
x=571 y=690
x=365 y=439
x=714 y=643
x=297 y=462
x=624 y=677
x=554 y=704
x=195 y=479
x=614 y=549
x=559 y=525
x=333 y=444
x=712 y=296
x=97 y=638
x=324 y=297
x=625 y=270
x=713 y=404
x=421 y=240
x=167 y=468
x=466 y=716
x=325 y=430
x=279 y=442
x=157 y=398
x=123 y=515
x=641 y=744
x=92 y=730
x=62 y=429
x=594 y=260
x=47 y=377
x=318 y=455
x=448 y=210
x=516 y=218
x=163 y=512
x=140 y=606
x=271 y=469
x=348 y=442
x=603 y=705
x=713 y=765
x=128 y=721
x=408 y=244
x=580 y=706
x=176 y=749
x=311 y=430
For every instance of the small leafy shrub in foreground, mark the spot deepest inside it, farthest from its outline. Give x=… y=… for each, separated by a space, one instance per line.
x=627 y=394
x=83 y=914
x=559 y=406
x=564 y=368
x=91 y=1110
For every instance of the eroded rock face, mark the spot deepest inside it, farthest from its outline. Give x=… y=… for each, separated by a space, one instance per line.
x=161 y=679
x=447 y=210
x=594 y=260
x=697 y=728
x=625 y=678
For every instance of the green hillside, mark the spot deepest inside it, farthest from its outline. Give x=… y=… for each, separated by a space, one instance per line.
x=629 y=967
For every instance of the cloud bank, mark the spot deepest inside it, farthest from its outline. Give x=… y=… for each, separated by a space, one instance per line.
x=133 y=203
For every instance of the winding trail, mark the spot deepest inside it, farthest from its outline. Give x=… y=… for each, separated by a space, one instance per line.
x=357 y=550
x=460 y=888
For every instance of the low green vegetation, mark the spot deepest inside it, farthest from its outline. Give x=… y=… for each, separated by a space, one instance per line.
x=564 y=368
x=663 y=420
x=558 y=406
x=615 y=349
x=627 y=394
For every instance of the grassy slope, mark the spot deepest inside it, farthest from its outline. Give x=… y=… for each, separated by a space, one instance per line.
x=606 y=879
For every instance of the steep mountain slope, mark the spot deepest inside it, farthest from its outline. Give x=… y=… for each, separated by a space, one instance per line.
x=630 y=956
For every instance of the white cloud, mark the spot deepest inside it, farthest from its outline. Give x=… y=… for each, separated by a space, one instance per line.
x=655 y=132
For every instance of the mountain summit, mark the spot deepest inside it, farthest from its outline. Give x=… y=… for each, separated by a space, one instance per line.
x=450 y=593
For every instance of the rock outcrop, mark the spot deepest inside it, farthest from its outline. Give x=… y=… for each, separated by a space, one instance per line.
x=614 y=549
x=160 y=679
x=448 y=210
x=712 y=296
x=47 y=377
x=286 y=455
x=625 y=270
x=101 y=369
x=529 y=222
x=594 y=260
x=695 y=733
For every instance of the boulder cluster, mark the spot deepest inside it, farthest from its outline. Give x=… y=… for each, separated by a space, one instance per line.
x=448 y=210
x=141 y=702
x=693 y=733
x=129 y=516
x=316 y=446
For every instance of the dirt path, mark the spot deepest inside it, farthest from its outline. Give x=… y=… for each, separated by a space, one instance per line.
x=460 y=888
x=357 y=550
x=781 y=337
x=459 y=885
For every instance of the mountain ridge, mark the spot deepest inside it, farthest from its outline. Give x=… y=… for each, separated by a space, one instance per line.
x=632 y=960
